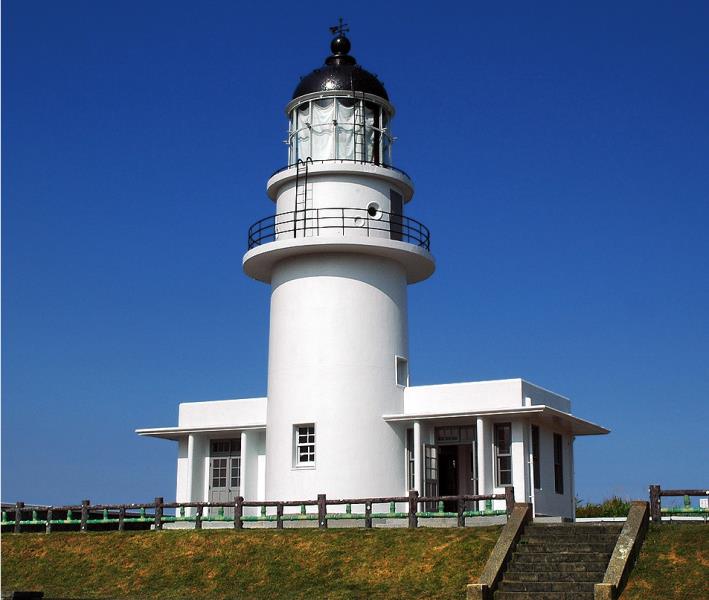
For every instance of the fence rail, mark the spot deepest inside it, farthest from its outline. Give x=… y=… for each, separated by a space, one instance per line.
x=656 y=510
x=153 y=515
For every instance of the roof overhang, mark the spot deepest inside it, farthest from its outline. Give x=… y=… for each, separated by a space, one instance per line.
x=178 y=433
x=540 y=412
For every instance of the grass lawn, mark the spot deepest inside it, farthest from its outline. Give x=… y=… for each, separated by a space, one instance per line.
x=297 y=563
x=673 y=564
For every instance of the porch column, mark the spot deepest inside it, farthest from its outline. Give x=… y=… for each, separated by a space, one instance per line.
x=483 y=450
x=417 y=457
x=242 y=474
x=190 y=471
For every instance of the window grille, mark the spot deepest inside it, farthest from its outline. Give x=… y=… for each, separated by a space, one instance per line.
x=305 y=445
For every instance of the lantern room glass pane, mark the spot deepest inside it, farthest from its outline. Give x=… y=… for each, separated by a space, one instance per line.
x=323 y=143
x=346 y=128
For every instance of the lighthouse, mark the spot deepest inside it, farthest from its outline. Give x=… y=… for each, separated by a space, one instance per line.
x=339 y=253
x=339 y=249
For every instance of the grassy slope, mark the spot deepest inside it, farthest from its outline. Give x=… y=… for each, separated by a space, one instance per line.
x=433 y=563
x=422 y=563
x=673 y=563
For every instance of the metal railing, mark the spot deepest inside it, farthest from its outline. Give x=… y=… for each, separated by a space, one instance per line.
x=344 y=161
x=18 y=518
x=314 y=222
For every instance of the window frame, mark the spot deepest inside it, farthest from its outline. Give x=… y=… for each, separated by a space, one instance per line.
x=558 y=463
x=501 y=455
x=404 y=361
x=299 y=463
x=536 y=464
x=410 y=459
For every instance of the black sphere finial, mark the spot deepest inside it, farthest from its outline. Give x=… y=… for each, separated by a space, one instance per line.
x=340 y=45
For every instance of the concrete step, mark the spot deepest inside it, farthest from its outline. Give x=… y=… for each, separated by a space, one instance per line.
x=567 y=531
x=551 y=567
x=543 y=595
x=554 y=575
x=563 y=547
x=607 y=538
x=529 y=558
x=546 y=586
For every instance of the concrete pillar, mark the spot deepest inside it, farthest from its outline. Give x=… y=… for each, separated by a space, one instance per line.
x=190 y=472
x=519 y=472
x=483 y=453
x=244 y=461
x=418 y=451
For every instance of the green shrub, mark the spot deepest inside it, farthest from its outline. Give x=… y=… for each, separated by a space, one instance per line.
x=612 y=507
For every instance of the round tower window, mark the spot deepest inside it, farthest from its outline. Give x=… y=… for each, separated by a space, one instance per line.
x=373 y=210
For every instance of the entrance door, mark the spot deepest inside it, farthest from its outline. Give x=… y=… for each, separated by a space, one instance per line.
x=224 y=473
x=448 y=468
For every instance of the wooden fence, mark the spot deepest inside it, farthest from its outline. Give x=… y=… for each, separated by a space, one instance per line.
x=656 y=510
x=153 y=514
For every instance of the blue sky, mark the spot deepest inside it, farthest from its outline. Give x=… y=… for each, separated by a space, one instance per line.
x=560 y=156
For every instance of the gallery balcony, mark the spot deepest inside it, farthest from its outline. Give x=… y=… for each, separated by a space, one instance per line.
x=339 y=230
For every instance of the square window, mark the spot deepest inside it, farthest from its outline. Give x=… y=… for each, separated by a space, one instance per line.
x=304 y=450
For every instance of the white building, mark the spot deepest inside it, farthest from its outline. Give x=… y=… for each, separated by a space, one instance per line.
x=340 y=417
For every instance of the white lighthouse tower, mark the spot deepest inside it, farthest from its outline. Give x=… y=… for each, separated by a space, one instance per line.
x=338 y=254
x=340 y=417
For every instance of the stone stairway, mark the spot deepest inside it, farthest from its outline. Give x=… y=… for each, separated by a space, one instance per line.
x=558 y=562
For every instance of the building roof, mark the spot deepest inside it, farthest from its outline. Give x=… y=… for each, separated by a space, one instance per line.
x=340 y=72
x=547 y=415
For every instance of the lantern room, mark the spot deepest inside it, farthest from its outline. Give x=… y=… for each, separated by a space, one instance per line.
x=340 y=112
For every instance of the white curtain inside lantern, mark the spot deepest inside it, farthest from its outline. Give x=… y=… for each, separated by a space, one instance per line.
x=339 y=128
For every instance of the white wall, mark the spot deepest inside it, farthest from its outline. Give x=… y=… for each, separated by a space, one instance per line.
x=539 y=395
x=547 y=501
x=223 y=413
x=198 y=493
x=462 y=397
x=182 y=492
x=337 y=323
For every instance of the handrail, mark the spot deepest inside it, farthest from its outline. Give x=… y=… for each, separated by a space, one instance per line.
x=344 y=160
x=152 y=514
x=314 y=222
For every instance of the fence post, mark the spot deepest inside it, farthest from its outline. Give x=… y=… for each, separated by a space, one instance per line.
x=413 y=509
x=322 y=512
x=48 y=528
x=159 y=501
x=121 y=517
x=461 y=510
x=84 y=514
x=18 y=515
x=279 y=515
x=368 y=514
x=509 y=499
x=198 y=517
x=238 y=513
x=655 y=510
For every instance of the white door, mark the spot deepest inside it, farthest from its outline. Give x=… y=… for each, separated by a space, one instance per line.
x=224 y=473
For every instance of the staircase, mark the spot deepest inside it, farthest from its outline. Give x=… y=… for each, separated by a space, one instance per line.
x=558 y=562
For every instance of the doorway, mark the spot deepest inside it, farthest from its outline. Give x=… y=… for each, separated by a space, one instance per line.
x=457 y=463
x=224 y=473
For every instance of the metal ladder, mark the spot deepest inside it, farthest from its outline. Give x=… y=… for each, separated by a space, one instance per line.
x=303 y=191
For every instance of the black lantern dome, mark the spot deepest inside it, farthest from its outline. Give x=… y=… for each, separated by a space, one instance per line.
x=340 y=72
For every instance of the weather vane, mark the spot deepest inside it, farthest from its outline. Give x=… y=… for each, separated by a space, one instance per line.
x=341 y=28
